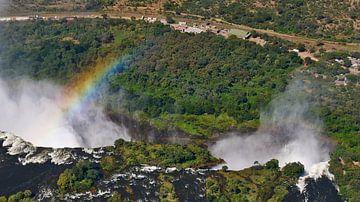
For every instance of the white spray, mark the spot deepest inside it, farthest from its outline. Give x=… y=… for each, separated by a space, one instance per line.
x=28 y=108
x=290 y=132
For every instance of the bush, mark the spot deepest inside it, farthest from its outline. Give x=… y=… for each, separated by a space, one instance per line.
x=108 y=163
x=273 y=164
x=293 y=170
x=116 y=197
x=79 y=178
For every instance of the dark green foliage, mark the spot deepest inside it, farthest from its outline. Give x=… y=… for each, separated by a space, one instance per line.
x=301 y=47
x=261 y=183
x=199 y=84
x=201 y=75
x=341 y=115
x=293 y=170
x=25 y=196
x=58 y=50
x=116 y=197
x=167 y=189
x=273 y=164
x=108 y=163
x=213 y=191
x=182 y=156
x=79 y=178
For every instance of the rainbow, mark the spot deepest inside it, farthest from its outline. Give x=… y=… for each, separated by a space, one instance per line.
x=83 y=86
x=81 y=90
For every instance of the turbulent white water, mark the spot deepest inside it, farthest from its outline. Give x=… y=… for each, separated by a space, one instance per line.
x=32 y=111
x=315 y=172
x=289 y=132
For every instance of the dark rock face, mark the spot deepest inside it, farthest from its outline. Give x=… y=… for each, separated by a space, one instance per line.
x=145 y=132
x=23 y=166
x=14 y=176
x=320 y=190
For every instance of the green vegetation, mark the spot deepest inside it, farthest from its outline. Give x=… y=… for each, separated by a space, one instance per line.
x=108 y=163
x=204 y=84
x=196 y=125
x=167 y=190
x=84 y=175
x=116 y=197
x=259 y=183
x=201 y=85
x=25 y=196
x=335 y=19
x=79 y=178
x=58 y=50
x=341 y=115
x=181 y=156
x=293 y=170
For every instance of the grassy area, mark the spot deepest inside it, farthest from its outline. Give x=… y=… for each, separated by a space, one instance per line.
x=196 y=126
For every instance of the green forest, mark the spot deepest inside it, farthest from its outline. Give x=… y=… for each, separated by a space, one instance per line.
x=202 y=87
x=341 y=116
x=206 y=84
x=200 y=84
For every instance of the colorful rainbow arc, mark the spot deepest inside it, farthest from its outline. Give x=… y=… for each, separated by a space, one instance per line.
x=82 y=89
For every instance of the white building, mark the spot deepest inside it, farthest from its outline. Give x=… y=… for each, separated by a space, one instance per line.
x=194 y=30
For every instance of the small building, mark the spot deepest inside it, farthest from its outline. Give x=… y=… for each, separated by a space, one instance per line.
x=150 y=20
x=194 y=30
x=182 y=23
x=240 y=33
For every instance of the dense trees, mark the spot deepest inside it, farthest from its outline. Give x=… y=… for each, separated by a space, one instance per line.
x=25 y=196
x=79 y=178
x=182 y=156
x=341 y=115
x=259 y=183
x=293 y=170
x=202 y=83
x=58 y=50
x=108 y=163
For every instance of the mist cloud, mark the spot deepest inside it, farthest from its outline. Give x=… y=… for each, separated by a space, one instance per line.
x=290 y=132
x=31 y=110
